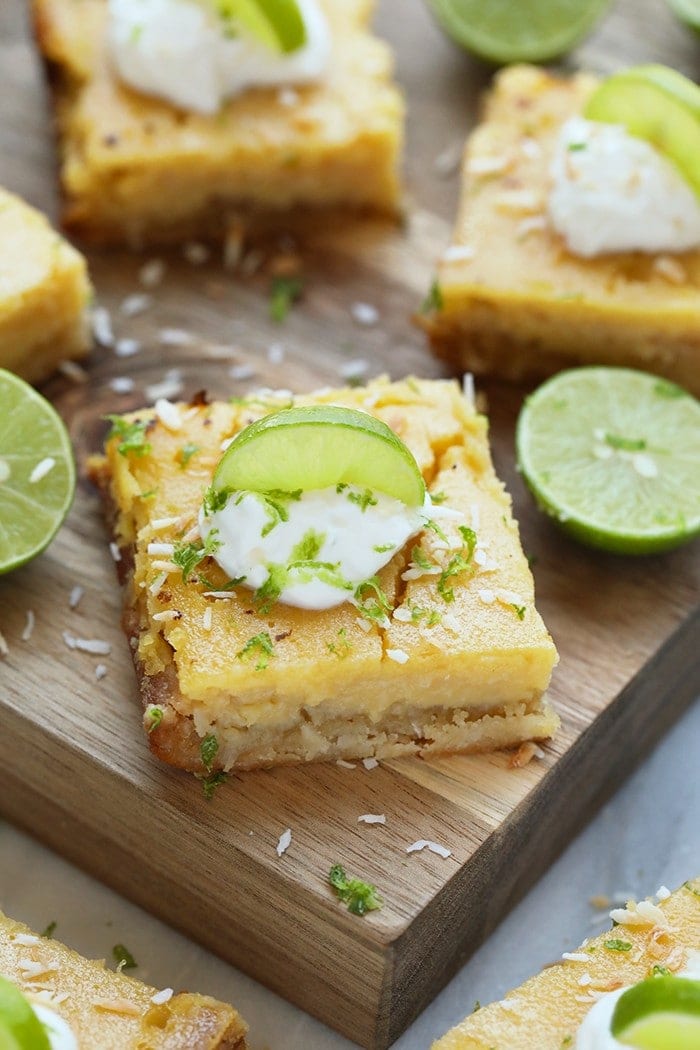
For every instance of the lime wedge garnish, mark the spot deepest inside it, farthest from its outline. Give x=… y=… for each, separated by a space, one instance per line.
x=277 y=23
x=37 y=472
x=657 y=104
x=517 y=30
x=688 y=11
x=662 y=1013
x=316 y=447
x=612 y=454
x=20 y=1028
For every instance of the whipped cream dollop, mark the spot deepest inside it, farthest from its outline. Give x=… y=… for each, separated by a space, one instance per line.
x=59 y=1032
x=183 y=51
x=612 y=192
x=594 y=1032
x=315 y=547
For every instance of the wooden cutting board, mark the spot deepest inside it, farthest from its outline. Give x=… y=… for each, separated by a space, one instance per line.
x=74 y=767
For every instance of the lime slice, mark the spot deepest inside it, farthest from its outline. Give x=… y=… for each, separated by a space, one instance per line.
x=612 y=454
x=37 y=472
x=662 y=1013
x=318 y=446
x=688 y=11
x=505 y=31
x=657 y=104
x=277 y=23
x=20 y=1028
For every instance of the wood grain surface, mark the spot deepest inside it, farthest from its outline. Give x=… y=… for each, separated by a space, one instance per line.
x=74 y=767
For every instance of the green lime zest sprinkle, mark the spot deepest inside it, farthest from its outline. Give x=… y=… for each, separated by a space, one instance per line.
x=421 y=559
x=212 y=782
x=132 y=436
x=186 y=453
x=342 y=647
x=519 y=610
x=371 y=600
x=363 y=499
x=214 y=500
x=187 y=556
x=154 y=715
x=433 y=300
x=660 y=971
x=208 y=750
x=438 y=497
x=383 y=548
x=123 y=958
x=259 y=645
x=308 y=547
x=458 y=563
x=49 y=930
x=359 y=896
x=616 y=945
x=283 y=294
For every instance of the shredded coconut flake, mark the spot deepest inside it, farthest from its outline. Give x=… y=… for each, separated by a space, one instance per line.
x=27 y=940
x=345 y=765
x=241 y=372
x=102 y=326
x=533 y=224
x=73 y=371
x=458 y=253
x=434 y=847
x=468 y=392
x=363 y=624
x=643 y=914
x=29 y=626
x=87 y=645
x=121 y=384
x=43 y=467
x=136 y=304
x=31 y=968
x=75 y=595
x=576 y=957
x=447 y=162
x=117 y=1006
x=163 y=523
x=364 y=313
x=399 y=656
x=115 y=552
x=168 y=414
x=162 y=997
x=152 y=273
x=518 y=201
x=207 y=618
x=195 y=253
x=276 y=353
x=372 y=818
x=161 y=548
x=670 y=269
x=169 y=386
x=167 y=614
x=127 y=347
x=4 y=650
x=100 y=672
x=663 y=893
x=370 y=763
x=485 y=166
x=353 y=369
x=284 y=842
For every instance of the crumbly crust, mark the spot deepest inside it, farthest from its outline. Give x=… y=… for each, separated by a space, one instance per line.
x=137 y=170
x=514 y=302
x=110 y=1010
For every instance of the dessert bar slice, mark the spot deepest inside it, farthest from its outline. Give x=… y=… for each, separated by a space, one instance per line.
x=546 y=1012
x=44 y=291
x=510 y=299
x=138 y=170
x=445 y=652
x=108 y=1010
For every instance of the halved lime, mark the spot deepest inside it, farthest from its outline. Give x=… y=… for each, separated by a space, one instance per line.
x=505 y=31
x=277 y=23
x=612 y=454
x=662 y=1013
x=37 y=472
x=688 y=11
x=20 y=1028
x=657 y=104
x=317 y=446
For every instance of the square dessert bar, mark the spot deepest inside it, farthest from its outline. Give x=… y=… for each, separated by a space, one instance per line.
x=460 y=663
x=137 y=170
x=546 y=1011
x=511 y=300
x=44 y=292
x=109 y=1010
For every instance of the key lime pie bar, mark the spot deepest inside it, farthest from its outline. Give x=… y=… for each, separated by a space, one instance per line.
x=583 y=1002
x=84 y=1006
x=300 y=597
x=44 y=291
x=575 y=242
x=183 y=118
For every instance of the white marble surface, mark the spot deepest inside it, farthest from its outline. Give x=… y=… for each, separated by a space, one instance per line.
x=647 y=835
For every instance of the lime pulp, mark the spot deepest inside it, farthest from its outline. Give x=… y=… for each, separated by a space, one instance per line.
x=505 y=31
x=661 y=1013
x=20 y=1028
x=612 y=455
x=37 y=472
x=658 y=104
x=319 y=446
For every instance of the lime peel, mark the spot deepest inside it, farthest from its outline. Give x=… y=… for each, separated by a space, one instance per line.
x=37 y=472
x=611 y=454
x=319 y=446
x=661 y=1013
